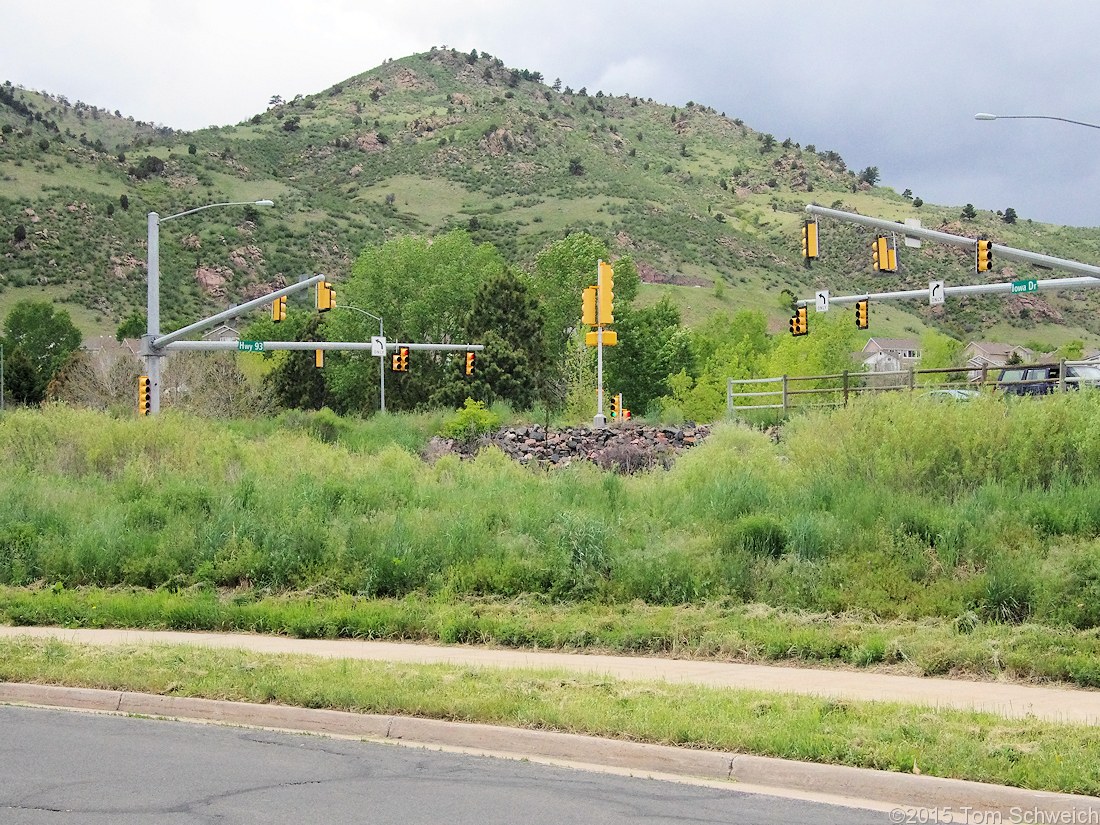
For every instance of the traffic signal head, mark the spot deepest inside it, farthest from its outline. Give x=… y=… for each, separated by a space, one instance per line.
x=470 y=363
x=400 y=360
x=319 y=358
x=144 y=395
x=800 y=323
x=616 y=404
x=278 y=309
x=861 y=314
x=984 y=256
x=809 y=241
x=606 y=296
x=588 y=306
x=326 y=296
x=883 y=257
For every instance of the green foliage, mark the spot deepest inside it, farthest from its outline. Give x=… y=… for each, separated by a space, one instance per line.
x=425 y=290
x=133 y=326
x=470 y=422
x=39 y=340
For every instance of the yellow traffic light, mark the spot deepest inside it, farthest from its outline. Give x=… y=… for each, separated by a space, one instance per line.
x=319 y=358
x=588 y=306
x=884 y=257
x=616 y=404
x=809 y=241
x=326 y=296
x=606 y=296
x=144 y=395
x=470 y=363
x=984 y=256
x=400 y=360
x=862 y=320
x=800 y=323
x=278 y=309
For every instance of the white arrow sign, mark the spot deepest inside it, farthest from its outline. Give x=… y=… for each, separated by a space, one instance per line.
x=823 y=300
x=935 y=293
x=377 y=346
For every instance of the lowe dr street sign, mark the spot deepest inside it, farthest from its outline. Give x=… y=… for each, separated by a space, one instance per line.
x=1024 y=286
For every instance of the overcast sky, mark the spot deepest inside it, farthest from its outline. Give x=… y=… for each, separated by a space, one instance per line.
x=888 y=84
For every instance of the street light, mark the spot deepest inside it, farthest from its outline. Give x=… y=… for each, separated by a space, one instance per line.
x=152 y=307
x=381 y=358
x=988 y=116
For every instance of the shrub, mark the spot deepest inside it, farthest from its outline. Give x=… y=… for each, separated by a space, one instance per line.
x=471 y=422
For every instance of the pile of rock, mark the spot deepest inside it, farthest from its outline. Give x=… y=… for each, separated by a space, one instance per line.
x=624 y=448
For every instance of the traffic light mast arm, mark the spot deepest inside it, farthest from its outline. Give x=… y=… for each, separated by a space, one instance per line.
x=163 y=341
x=391 y=346
x=967 y=289
x=1002 y=252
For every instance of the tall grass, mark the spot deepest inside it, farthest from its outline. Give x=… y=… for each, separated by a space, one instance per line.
x=892 y=508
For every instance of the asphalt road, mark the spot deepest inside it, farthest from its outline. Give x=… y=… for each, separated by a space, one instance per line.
x=62 y=766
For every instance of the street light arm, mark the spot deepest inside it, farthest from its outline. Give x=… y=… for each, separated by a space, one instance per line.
x=987 y=116
x=264 y=202
x=356 y=309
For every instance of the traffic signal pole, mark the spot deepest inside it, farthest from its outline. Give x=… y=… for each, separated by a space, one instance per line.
x=1006 y=252
x=968 y=289
x=1089 y=275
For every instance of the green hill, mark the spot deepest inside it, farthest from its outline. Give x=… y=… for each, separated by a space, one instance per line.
x=707 y=207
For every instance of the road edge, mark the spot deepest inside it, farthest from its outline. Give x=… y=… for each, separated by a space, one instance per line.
x=836 y=784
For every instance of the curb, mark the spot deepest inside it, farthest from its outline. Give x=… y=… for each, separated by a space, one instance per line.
x=856 y=787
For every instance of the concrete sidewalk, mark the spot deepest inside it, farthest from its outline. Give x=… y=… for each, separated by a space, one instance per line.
x=1059 y=704
x=905 y=797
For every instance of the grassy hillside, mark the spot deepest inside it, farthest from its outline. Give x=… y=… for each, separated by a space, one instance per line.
x=706 y=205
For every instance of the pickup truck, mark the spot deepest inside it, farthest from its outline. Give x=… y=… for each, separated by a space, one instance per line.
x=1042 y=379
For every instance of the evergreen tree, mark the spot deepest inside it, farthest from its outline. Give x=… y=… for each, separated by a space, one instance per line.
x=296 y=382
x=506 y=319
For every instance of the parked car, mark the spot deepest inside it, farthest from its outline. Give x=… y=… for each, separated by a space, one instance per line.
x=1045 y=378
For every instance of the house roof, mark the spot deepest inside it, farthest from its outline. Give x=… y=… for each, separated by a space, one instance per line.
x=992 y=348
x=891 y=345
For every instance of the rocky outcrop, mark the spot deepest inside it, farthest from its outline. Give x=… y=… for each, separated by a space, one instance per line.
x=624 y=449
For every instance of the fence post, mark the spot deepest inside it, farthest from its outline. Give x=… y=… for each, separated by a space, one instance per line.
x=845 y=388
x=729 y=396
x=785 y=394
x=912 y=379
x=1062 y=386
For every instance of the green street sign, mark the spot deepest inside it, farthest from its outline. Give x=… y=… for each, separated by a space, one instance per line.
x=250 y=346
x=1024 y=286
